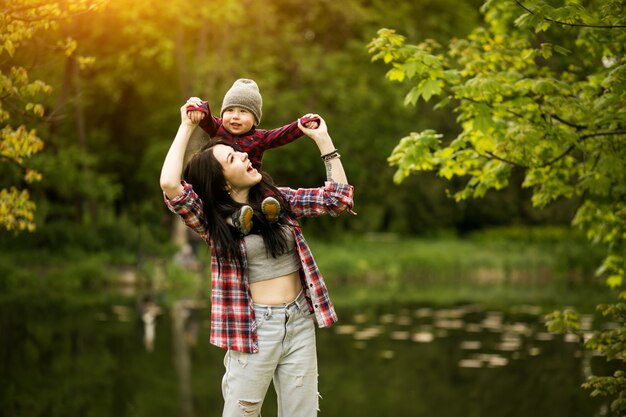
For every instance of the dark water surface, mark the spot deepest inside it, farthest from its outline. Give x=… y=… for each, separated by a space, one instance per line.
x=62 y=357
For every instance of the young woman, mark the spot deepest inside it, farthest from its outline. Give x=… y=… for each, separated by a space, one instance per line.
x=266 y=289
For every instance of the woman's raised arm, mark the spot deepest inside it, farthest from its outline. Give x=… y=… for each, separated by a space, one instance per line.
x=330 y=154
x=171 y=172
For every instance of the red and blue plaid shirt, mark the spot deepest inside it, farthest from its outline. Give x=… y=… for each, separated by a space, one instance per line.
x=255 y=142
x=233 y=325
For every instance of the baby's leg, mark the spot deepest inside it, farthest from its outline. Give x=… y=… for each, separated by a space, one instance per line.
x=271 y=209
x=242 y=219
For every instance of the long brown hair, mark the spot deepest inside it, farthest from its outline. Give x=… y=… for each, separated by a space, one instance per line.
x=205 y=173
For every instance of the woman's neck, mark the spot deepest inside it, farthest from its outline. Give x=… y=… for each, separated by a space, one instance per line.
x=240 y=196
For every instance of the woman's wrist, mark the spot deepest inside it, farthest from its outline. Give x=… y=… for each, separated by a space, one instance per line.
x=188 y=125
x=325 y=146
x=334 y=154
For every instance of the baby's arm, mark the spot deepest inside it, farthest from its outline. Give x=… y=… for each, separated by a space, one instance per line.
x=284 y=135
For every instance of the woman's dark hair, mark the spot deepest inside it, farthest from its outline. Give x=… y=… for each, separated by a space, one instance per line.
x=205 y=173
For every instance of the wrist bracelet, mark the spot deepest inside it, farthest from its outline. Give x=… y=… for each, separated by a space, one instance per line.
x=331 y=155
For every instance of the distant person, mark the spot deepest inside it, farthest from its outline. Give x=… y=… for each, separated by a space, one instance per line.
x=237 y=125
x=266 y=289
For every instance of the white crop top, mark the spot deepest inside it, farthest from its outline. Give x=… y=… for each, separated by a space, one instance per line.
x=262 y=266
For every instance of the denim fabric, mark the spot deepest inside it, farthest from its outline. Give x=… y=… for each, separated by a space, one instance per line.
x=287 y=355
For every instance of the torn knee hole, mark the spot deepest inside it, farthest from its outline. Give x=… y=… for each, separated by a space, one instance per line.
x=250 y=408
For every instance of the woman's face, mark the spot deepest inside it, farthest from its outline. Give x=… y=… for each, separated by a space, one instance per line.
x=238 y=170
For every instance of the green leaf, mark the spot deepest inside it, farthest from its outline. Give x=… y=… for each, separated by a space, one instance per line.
x=430 y=88
x=614 y=281
x=431 y=60
x=482 y=120
x=395 y=74
x=412 y=97
x=542 y=26
x=442 y=103
x=546 y=50
x=411 y=68
x=561 y=50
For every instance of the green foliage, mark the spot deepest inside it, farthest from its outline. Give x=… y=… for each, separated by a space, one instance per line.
x=108 y=121
x=22 y=24
x=16 y=209
x=610 y=386
x=609 y=343
x=539 y=88
x=566 y=321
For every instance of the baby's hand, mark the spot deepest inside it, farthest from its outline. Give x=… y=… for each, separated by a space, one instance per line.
x=320 y=131
x=310 y=122
x=195 y=116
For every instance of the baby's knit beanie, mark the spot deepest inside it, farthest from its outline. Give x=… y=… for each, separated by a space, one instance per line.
x=245 y=94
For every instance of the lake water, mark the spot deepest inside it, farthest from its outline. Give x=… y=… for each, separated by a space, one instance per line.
x=63 y=357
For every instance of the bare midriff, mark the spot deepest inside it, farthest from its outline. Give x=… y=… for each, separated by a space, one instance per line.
x=276 y=291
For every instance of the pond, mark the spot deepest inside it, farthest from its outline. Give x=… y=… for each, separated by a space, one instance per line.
x=60 y=357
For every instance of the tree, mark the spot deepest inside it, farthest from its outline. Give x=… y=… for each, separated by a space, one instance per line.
x=538 y=89
x=24 y=24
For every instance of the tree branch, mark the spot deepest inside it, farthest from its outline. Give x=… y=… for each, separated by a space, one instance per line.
x=565 y=122
x=614 y=132
x=13 y=9
x=488 y=104
x=498 y=158
x=51 y=17
x=582 y=138
x=13 y=162
x=50 y=118
x=570 y=24
x=557 y=158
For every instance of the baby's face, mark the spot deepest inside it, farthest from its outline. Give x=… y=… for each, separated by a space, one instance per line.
x=237 y=120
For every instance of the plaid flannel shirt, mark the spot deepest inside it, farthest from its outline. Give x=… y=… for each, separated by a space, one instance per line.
x=233 y=325
x=255 y=142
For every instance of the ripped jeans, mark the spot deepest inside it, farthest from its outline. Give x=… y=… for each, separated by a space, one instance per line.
x=287 y=355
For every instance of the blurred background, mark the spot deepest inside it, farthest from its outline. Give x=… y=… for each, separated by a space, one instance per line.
x=104 y=304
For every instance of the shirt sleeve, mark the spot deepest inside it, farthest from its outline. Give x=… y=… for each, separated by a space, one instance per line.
x=189 y=207
x=333 y=198
x=280 y=136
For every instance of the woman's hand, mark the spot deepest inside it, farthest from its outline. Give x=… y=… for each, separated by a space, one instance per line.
x=171 y=172
x=190 y=118
x=334 y=168
x=321 y=129
x=319 y=135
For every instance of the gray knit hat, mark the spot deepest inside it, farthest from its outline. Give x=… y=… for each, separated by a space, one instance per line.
x=245 y=94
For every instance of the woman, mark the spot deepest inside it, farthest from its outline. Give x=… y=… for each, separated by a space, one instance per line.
x=266 y=289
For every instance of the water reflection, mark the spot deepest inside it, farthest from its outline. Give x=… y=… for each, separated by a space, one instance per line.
x=98 y=357
x=484 y=338
x=149 y=311
x=466 y=360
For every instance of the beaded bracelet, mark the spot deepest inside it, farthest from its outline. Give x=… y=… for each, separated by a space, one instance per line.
x=331 y=155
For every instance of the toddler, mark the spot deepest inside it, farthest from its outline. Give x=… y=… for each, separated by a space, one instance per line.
x=237 y=126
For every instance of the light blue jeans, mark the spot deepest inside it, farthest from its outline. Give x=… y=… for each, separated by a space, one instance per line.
x=287 y=355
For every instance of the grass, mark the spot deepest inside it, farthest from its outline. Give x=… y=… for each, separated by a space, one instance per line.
x=551 y=267
x=498 y=268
